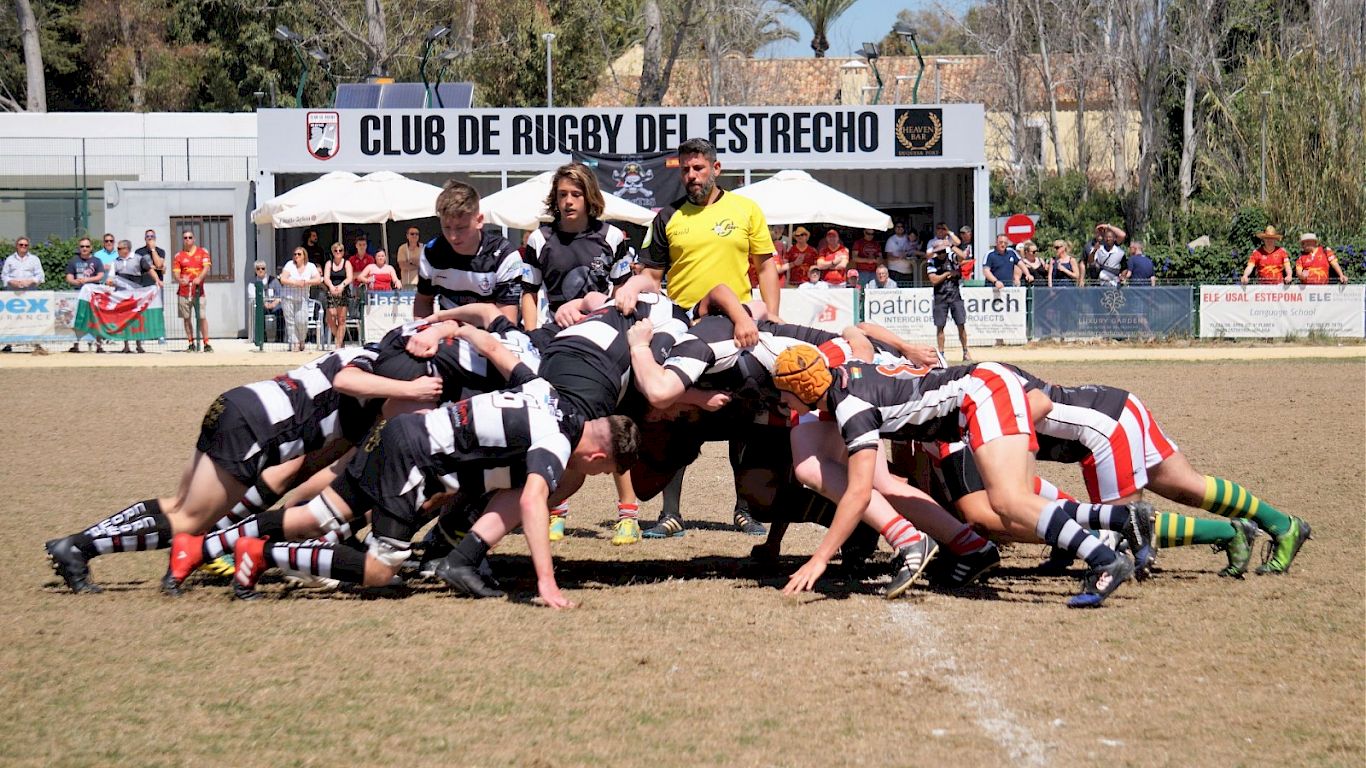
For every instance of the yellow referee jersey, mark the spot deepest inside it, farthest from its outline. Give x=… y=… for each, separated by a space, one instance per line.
x=700 y=247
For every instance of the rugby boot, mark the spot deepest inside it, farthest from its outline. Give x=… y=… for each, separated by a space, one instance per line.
x=1238 y=549
x=668 y=527
x=954 y=571
x=626 y=531
x=221 y=566
x=72 y=565
x=1281 y=550
x=556 y=527
x=1138 y=533
x=746 y=524
x=465 y=580
x=910 y=561
x=1099 y=583
x=250 y=556
x=187 y=553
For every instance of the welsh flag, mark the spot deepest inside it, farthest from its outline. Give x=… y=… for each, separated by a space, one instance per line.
x=130 y=314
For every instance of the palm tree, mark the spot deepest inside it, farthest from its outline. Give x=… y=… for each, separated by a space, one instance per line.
x=820 y=14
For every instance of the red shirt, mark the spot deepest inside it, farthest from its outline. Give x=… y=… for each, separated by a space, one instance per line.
x=188 y=267
x=867 y=254
x=965 y=268
x=833 y=275
x=779 y=253
x=383 y=282
x=1270 y=266
x=1315 y=265
x=358 y=264
x=801 y=261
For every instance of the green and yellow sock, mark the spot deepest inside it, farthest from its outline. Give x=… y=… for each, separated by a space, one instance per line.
x=1175 y=530
x=1227 y=498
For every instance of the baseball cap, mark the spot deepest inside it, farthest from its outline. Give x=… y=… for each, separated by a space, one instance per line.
x=801 y=370
x=965 y=229
x=1309 y=237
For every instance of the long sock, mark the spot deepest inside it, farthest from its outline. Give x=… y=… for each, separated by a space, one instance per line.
x=136 y=528
x=344 y=531
x=299 y=558
x=673 y=497
x=469 y=551
x=265 y=525
x=966 y=542
x=1175 y=530
x=1050 y=491
x=560 y=510
x=257 y=499
x=1058 y=526
x=628 y=510
x=900 y=533
x=1227 y=498
x=1102 y=517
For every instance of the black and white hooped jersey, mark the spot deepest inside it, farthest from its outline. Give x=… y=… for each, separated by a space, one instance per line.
x=709 y=347
x=571 y=264
x=493 y=274
x=463 y=371
x=590 y=361
x=901 y=402
x=322 y=413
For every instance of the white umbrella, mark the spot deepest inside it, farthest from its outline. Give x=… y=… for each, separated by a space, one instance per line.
x=372 y=199
x=793 y=197
x=325 y=187
x=522 y=206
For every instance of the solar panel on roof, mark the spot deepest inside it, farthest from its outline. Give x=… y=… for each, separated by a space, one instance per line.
x=358 y=95
x=402 y=96
x=454 y=96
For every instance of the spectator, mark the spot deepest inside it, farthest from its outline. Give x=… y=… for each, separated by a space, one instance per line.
x=1104 y=257
x=942 y=242
x=832 y=257
x=1141 y=269
x=337 y=279
x=360 y=257
x=23 y=271
x=1033 y=270
x=272 y=297
x=107 y=255
x=1270 y=260
x=190 y=267
x=1065 y=272
x=317 y=255
x=814 y=281
x=901 y=256
x=1001 y=262
x=381 y=275
x=775 y=233
x=882 y=278
x=867 y=254
x=945 y=280
x=297 y=278
x=130 y=271
x=851 y=278
x=156 y=256
x=1311 y=267
x=83 y=270
x=801 y=257
x=963 y=250
x=409 y=257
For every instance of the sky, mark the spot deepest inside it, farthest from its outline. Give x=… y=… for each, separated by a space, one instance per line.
x=866 y=21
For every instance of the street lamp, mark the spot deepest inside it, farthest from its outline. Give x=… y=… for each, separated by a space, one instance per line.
x=938 y=83
x=297 y=42
x=1265 y=95
x=438 y=32
x=447 y=56
x=549 y=37
x=872 y=52
x=907 y=32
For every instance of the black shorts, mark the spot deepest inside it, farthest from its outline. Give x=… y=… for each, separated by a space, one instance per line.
x=239 y=439
x=941 y=310
x=958 y=472
x=392 y=476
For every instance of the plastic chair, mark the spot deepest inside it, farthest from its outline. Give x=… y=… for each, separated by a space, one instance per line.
x=315 y=321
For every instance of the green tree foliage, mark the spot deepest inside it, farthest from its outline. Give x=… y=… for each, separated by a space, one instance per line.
x=937 y=33
x=820 y=14
x=59 y=37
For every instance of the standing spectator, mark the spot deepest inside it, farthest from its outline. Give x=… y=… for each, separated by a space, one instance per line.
x=832 y=257
x=360 y=257
x=882 y=278
x=815 y=281
x=945 y=280
x=801 y=257
x=965 y=253
x=867 y=255
x=900 y=257
x=943 y=241
x=272 y=296
x=82 y=270
x=1270 y=260
x=23 y=271
x=410 y=257
x=1104 y=257
x=381 y=275
x=317 y=255
x=780 y=247
x=1141 y=269
x=1033 y=269
x=156 y=256
x=190 y=267
x=999 y=270
x=1066 y=272
x=107 y=255
x=337 y=279
x=130 y=270
x=298 y=278
x=1315 y=260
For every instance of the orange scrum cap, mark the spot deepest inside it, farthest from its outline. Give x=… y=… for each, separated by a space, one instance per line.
x=801 y=370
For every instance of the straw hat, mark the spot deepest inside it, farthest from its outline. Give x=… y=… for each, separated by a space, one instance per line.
x=1309 y=237
x=1269 y=233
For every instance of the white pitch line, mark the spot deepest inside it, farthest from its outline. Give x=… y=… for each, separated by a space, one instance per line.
x=998 y=721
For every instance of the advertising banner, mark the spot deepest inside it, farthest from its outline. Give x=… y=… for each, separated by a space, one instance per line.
x=1274 y=311
x=908 y=312
x=26 y=315
x=386 y=310
x=829 y=309
x=1112 y=313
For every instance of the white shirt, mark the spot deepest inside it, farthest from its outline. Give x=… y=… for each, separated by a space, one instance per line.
x=898 y=251
x=292 y=272
x=18 y=267
x=819 y=286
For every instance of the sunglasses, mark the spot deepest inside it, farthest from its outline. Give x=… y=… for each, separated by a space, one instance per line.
x=123 y=247
x=21 y=245
x=85 y=247
x=109 y=239
x=149 y=237
x=187 y=237
x=260 y=269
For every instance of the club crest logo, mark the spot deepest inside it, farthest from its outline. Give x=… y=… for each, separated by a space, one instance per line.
x=631 y=179
x=723 y=228
x=324 y=136
x=919 y=132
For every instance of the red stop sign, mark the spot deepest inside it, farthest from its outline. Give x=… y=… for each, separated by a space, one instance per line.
x=1019 y=228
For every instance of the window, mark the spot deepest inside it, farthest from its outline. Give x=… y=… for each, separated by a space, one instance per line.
x=213 y=233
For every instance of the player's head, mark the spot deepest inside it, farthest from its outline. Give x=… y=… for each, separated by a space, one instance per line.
x=802 y=375
x=461 y=222
x=699 y=166
x=574 y=194
x=608 y=444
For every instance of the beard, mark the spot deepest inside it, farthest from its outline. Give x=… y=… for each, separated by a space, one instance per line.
x=702 y=194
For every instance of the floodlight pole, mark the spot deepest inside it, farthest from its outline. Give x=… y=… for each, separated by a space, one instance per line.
x=549 y=37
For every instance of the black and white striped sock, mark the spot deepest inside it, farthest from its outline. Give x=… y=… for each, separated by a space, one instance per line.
x=136 y=528
x=256 y=500
x=266 y=525
x=299 y=558
x=1058 y=527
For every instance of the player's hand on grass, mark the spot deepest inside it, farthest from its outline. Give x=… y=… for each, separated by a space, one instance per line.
x=804 y=580
x=746 y=333
x=640 y=333
x=550 y=595
x=425 y=389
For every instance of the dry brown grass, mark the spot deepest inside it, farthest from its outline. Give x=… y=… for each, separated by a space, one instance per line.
x=681 y=654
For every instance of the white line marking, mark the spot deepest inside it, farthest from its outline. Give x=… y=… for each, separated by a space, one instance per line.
x=999 y=722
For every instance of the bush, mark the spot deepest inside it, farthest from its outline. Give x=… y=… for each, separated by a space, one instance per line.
x=55 y=253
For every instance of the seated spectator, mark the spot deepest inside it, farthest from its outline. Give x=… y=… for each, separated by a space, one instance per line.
x=867 y=254
x=1269 y=259
x=1033 y=270
x=1065 y=272
x=801 y=257
x=1104 y=256
x=273 y=296
x=1141 y=270
x=80 y=271
x=360 y=258
x=1000 y=270
x=882 y=278
x=380 y=276
x=1312 y=266
x=966 y=252
x=815 y=280
x=832 y=257
x=851 y=278
x=23 y=270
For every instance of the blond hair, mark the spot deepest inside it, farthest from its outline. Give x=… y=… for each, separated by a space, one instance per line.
x=587 y=181
x=457 y=199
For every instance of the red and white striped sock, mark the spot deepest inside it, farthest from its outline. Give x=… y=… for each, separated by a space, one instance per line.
x=560 y=510
x=900 y=533
x=966 y=542
x=628 y=510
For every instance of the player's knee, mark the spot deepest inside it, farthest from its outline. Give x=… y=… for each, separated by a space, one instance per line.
x=808 y=472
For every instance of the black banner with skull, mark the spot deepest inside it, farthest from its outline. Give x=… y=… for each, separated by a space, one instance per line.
x=648 y=180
